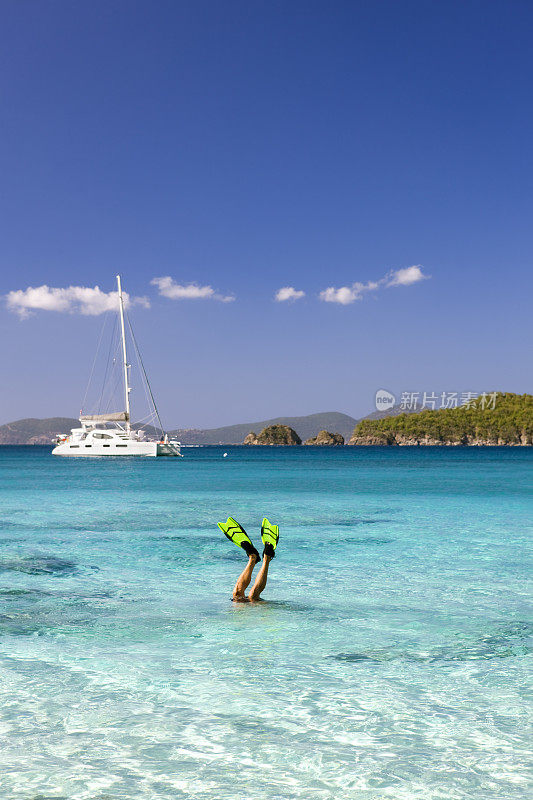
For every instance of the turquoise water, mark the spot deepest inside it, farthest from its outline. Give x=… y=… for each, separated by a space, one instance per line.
x=391 y=659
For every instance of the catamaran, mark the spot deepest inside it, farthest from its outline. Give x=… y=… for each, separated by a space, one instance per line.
x=111 y=434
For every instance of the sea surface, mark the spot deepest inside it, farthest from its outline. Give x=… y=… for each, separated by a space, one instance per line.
x=391 y=659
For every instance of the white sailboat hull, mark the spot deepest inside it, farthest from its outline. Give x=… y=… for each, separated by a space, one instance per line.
x=118 y=449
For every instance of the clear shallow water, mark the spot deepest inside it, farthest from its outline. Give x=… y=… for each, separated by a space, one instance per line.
x=392 y=659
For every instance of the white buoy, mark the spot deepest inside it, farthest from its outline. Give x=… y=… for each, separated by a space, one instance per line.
x=224 y=456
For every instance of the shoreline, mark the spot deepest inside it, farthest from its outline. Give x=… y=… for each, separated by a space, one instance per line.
x=368 y=445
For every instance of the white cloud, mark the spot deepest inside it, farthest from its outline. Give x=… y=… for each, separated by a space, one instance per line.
x=288 y=293
x=191 y=291
x=344 y=295
x=72 y=300
x=406 y=276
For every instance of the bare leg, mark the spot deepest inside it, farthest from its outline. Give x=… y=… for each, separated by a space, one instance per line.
x=244 y=579
x=261 y=580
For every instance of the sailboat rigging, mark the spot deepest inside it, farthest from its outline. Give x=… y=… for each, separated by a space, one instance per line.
x=111 y=433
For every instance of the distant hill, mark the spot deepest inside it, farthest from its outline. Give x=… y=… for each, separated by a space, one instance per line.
x=42 y=431
x=35 y=431
x=305 y=427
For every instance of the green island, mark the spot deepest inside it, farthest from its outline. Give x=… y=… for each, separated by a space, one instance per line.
x=274 y=435
x=507 y=419
x=326 y=439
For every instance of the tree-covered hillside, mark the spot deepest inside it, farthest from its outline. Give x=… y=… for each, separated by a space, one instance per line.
x=500 y=418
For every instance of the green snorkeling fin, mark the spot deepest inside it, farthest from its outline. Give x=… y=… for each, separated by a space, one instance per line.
x=269 y=537
x=236 y=534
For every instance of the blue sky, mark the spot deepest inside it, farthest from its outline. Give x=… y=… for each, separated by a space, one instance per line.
x=251 y=146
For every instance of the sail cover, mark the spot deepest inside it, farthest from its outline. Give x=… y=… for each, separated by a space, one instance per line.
x=113 y=416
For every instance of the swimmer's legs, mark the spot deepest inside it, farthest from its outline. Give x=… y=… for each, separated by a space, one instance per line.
x=244 y=578
x=261 y=580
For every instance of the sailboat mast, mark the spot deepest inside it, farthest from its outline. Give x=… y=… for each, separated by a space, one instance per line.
x=127 y=388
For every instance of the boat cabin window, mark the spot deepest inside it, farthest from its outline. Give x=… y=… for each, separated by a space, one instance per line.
x=102 y=436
